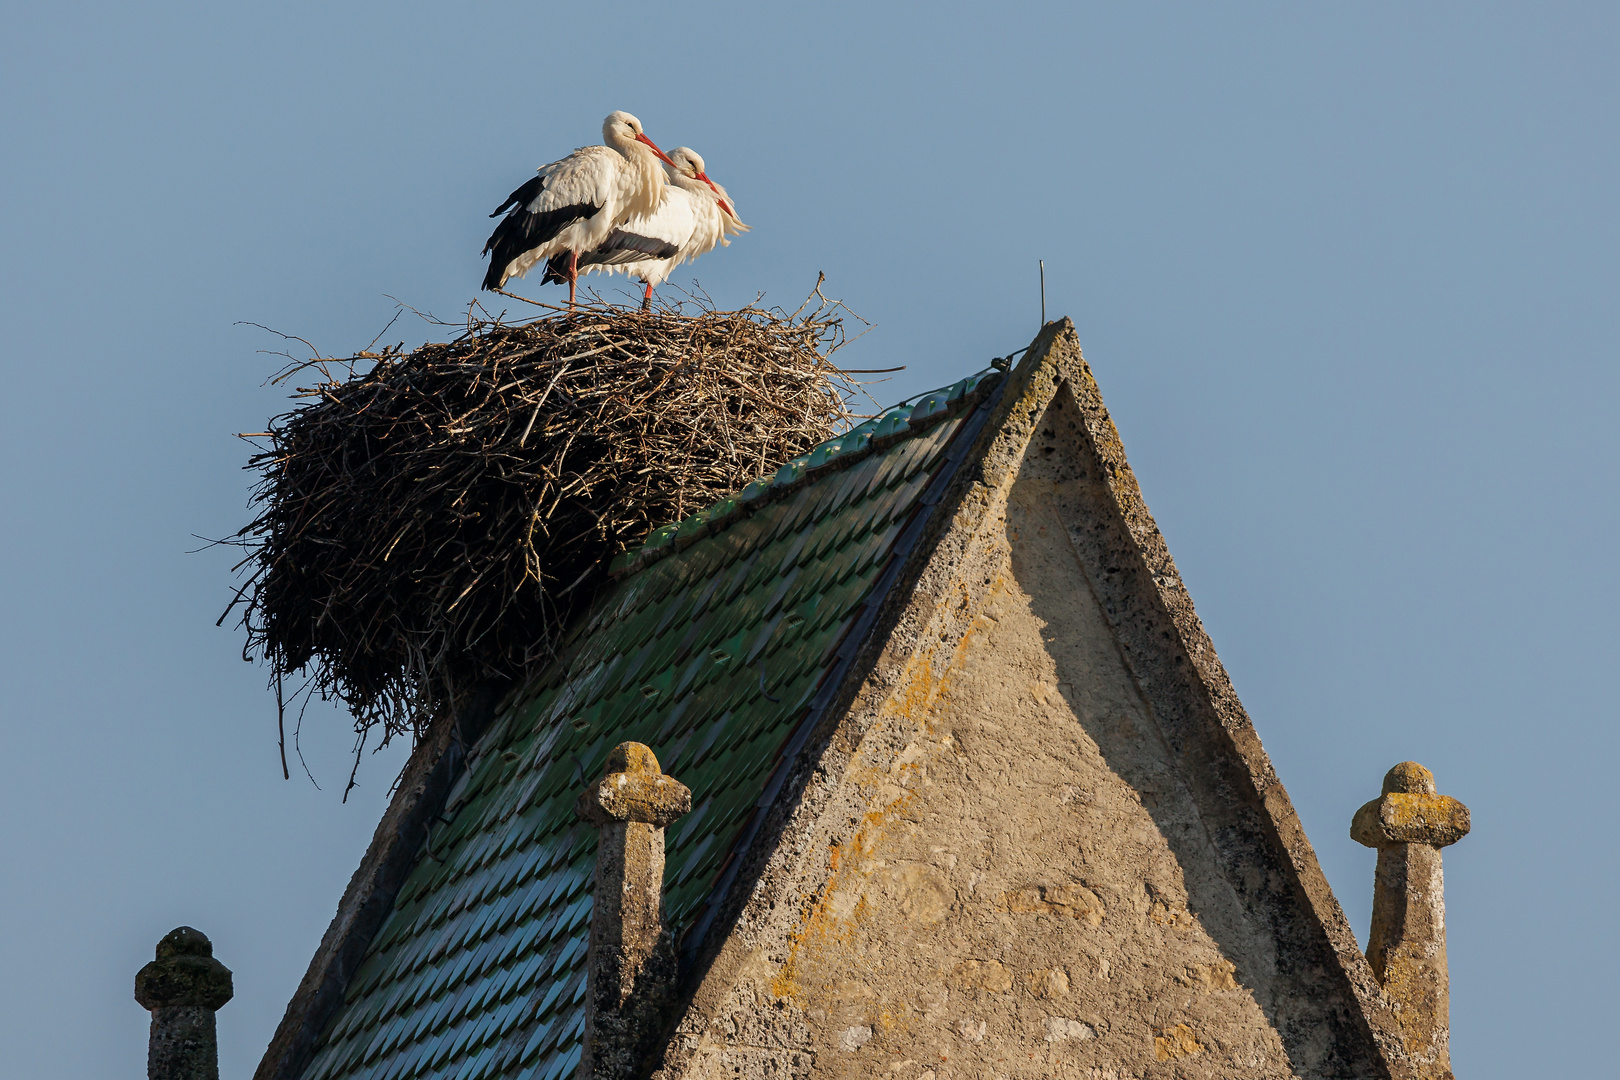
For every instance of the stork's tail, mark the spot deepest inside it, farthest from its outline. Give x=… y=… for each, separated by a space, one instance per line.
x=495 y=276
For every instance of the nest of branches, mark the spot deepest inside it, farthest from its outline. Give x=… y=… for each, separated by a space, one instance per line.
x=428 y=519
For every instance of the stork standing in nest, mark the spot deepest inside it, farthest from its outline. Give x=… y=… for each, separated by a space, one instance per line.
x=574 y=205
x=695 y=217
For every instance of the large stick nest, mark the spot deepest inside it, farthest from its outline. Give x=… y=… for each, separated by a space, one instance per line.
x=430 y=518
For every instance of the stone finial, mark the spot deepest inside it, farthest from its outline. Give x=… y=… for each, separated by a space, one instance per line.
x=634 y=789
x=182 y=988
x=1409 y=824
x=1410 y=812
x=630 y=972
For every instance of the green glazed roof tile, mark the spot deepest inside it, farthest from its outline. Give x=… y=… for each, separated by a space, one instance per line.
x=789 y=475
x=892 y=424
x=711 y=648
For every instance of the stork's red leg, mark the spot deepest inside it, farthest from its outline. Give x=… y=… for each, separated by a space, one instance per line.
x=573 y=276
x=646 y=297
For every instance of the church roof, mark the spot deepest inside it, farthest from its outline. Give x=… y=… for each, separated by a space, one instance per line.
x=723 y=641
x=758 y=648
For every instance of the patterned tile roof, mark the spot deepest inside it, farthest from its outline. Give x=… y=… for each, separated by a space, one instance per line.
x=721 y=641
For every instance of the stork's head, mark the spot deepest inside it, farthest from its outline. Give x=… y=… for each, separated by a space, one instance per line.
x=689 y=163
x=622 y=131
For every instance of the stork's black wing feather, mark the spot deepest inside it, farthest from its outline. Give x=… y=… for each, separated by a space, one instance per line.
x=523 y=196
x=524 y=230
x=624 y=246
x=619 y=249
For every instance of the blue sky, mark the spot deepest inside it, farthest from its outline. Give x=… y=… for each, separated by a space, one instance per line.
x=1347 y=276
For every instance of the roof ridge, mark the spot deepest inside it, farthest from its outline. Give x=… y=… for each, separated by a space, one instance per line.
x=891 y=426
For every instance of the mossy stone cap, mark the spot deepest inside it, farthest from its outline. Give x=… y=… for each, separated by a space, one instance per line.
x=1409 y=778
x=1410 y=811
x=634 y=789
x=184 y=973
x=184 y=941
x=633 y=757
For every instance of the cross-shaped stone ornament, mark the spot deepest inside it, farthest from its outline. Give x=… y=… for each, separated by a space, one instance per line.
x=1409 y=824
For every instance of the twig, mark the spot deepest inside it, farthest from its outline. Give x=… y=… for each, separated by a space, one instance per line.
x=404 y=543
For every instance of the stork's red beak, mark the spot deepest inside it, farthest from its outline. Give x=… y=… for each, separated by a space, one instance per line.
x=723 y=204
x=661 y=155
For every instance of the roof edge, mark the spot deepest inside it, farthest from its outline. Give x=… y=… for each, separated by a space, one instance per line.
x=890 y=427
x=977 y=408
x=811 y=775
x=433 y=767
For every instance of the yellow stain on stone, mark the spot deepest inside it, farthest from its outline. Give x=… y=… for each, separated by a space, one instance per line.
x=1406 y=811
x=1399 y=817
x=1074 y=901
x=1176 y=1042
x=1163 y=914
x=1212 y=977
x=834 y=917
x=1048 y=984
x=990 y=975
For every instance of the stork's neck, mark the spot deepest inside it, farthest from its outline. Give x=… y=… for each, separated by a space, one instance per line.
x=703 y=195
x=647 y=179
x=689 y=183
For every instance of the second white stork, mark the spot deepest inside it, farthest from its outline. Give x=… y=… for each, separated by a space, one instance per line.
x=573 y=205
x=695 y=216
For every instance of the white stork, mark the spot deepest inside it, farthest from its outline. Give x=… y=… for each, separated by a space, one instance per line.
x=574 y=204
x=696 y=215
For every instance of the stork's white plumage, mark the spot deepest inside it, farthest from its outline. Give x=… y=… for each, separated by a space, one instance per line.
x=573 y=205
x=695 y=216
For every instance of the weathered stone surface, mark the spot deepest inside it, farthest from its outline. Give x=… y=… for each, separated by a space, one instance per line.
x=1075 y=901
x=1410 y=812
x=1409 y=824
x=634 y=789
x=631 y=970
x=1409 y=778
x=184 y=1044
x=184 y=973
x=1436 y=820
x=182 y=988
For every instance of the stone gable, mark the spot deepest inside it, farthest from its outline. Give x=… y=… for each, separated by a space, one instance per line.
x=971 y=795
x=1018 y=880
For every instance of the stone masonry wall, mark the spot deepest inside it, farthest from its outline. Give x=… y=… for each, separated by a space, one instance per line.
x=1028 y=889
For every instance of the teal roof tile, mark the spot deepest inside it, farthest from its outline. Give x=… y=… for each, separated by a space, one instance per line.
x=713 y=647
